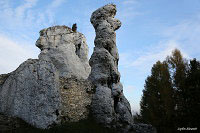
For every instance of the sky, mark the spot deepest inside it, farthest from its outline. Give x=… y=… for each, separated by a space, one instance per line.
x=150 y=30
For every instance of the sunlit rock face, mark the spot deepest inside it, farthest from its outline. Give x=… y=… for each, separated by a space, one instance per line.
x=63 y=86
x=54 y=88
x=31 y=93
x=66 y=49
x=109 y=105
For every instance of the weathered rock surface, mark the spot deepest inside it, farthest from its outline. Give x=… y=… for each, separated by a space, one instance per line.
x=109 y=105
x=143 y=128
x=61 y=86
x=53 y=88
x=66 y=49
x=32 y=93
x=76 y=97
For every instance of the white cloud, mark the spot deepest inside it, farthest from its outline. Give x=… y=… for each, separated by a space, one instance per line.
x=18 y=16
x=128 y=2
x=128 y=10
x=184 y=36
x=56 y=3
x=4 y=4
x=188 y=29
x=186 y=33
x=157 y=53
x=140 y=67
x=13 y=54
x=25 y=14
x=51 y=9
x=21 y=10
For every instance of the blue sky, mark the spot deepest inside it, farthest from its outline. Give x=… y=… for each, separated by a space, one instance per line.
x=150 y=30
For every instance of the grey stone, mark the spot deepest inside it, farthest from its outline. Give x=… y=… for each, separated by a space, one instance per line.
x=35 y=91
x=66 y=49
x=117 y=89
x=76 y=98
x=109 y=106
x=102 y=105
x=3 y=78
x=61 y=86
x=143 y=128
x=32 y=93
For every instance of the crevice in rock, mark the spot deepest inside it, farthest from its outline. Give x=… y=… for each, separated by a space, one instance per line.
x=78 y=46
x=116 y=100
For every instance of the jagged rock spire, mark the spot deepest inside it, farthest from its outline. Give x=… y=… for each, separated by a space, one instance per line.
x=109 y=106
x=56 y=87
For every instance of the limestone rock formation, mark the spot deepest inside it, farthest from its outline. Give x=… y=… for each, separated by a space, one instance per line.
x=109 y=105
x=53 y=88
x=66 y=49
x=76 y=96
x=61 y=86
x=143 y=128
x=31 y=93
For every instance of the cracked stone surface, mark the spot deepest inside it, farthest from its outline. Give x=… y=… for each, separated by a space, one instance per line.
x=66 y=49
x=76 y=98
x=109 y=104
x=61 y=86
x=34 y=92
x=31 y=93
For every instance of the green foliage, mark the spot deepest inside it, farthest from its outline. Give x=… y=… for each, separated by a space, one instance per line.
x=192 y=94
x=157 y=104
x=171 y=95
x=178 y=67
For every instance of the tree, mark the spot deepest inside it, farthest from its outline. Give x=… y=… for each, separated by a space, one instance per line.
x=178 y=68
x=171 y=95
x=192 y=95
x=157 y=104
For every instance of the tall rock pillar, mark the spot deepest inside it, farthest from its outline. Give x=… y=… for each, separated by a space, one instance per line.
x=109 y=105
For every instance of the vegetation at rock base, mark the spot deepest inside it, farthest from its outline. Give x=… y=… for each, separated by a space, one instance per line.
x=171 y=95
x=10 y=124
x=83 y=126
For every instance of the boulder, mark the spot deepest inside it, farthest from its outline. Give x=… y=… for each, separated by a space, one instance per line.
x=32 y=93
x=54 y=88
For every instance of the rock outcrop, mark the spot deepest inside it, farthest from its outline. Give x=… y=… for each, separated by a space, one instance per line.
x=31 y=93
x=67 y=50
x=53 y=88
x=76 y=96
x=63 y=86
x=109 y=105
